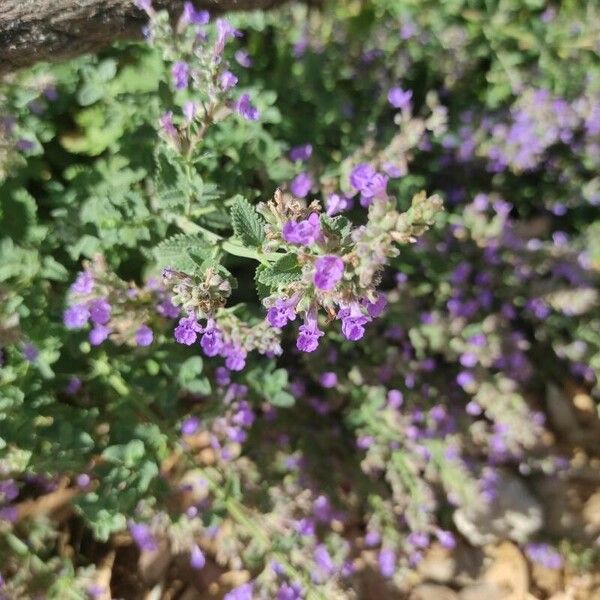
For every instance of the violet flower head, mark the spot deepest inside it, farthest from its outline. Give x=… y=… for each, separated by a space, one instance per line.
x=142 y=536
x=282 y=312
x=387 y=562
x=73 y=386
x=301 y=153
x=353 y=321
x=190 y=110
x=360 y=175
x=246 y=109
x=225 y=32
x=337 y=203
x=399 y=98
x=302 y=233
x=167 y=127
x=187 y=330
x=180 y=74
x=235 y=357
x=375 y=309
x=227 y=80
x=301 y=185
x=243 y=58
x=197 y=558
x=309 y=333
x=98 y=334
x=211 y=340
x=290 y=591
x=369 y=183
x=144 y=336
x=83 y=284
x=76 y=316
x=328 y=379
x=192 y=16
x=544 y=555
x=190 y=426
x=242 y=592
x=329 y=269
x=100 y=311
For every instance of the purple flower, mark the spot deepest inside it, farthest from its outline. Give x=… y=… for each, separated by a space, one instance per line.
x=372 y=539
x=197 y=558
x=144 y=336
x=336 y=203
x=290 y=591
x=180 y=74
x=376 y=308
x=387 y=562
x=465 y=379
x=145 y=5
x=328 y=379
x=190 y=110
x=83 y=480
x=98 y=334
x=399 y=98
x=302 y=232
x=301 y=153
x=323 y=559
x=211 y=341
x=235 y=356
x=282 y=312
x=368 y=182
x=301 y=185
x=329 y=270
x=245 y=108
x=192 y=16
x=166 y=124
x=361 y=174
x=418 y=539
x=395 y=398
x=242 y=592
x=225 y=32
x=142 y=536
x=544 y=555
x=353 y=321
x=76 y=316
x=309 y=333
x=187 y=330
x=83 y=284
x=100 y=311
x=167 y=309
x=445 y=538
x=243 y=58
x=190 y=426
x=227 y=80
x=73 y=386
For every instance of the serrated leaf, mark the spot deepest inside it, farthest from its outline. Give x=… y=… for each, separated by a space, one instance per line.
x=283 y=272
x=339 y=225
x=248 y=225
x=187 y=253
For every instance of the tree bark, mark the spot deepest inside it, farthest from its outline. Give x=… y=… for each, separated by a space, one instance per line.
x=33 y=30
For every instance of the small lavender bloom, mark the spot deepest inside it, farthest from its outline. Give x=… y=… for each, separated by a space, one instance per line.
x=373 y=538
x=468 y=359
x=445 y=538
x=290 y=591
x=395 y=398
x=235 y=357
x=353 y=321
x=190 y=109
x=309 y=333
x=227 y=80
x=76 y=316
x=544 y=555
x=336 y=203
x=387 y=562
x=98 y=334
x=242 y=592
x=301 y=185
x=100 y=311
x=192 y=16
x=375 y=309
x=180 y=74
x=30 y=352
x=328 y=379
x=245 y=108
x=83 y=480
x=167 y=309
x=323 y=559
x=399 y=98
x=329 y=270
x=145 y=5
x=305 y=527
x=197 y=558
x=9 y=513
x=225 y=32
x=302 y=233
x=142 y=536
x=211 y=341
x=8 y=490
x=465 y=379
x=83 y=284
x=166 y=125
x=418 y=539
x=144 y=336
x=301 y=153
x=73 y=386
x=187 y=330
x=243 y=58
x=283 y=311
x=374 y=188
x=190 y=426
x=361 y=175
x=222 y=376
x=473 y=409
x=363 y=442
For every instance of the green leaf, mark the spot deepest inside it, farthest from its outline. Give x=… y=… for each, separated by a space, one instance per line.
x=248 y=225
x=185 y=253
x=283 y=272
x=339 y=225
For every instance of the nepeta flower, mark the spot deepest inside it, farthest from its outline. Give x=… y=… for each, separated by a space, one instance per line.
x=73 y=386
x=376 y=308
x=197 y=558
x=399 y=98
x=190 y=426
x=211 y=341
x=283 y=311
x=192 y=16
x=329 y=270
x=243 y=58
x=301 y=185
x=84 y=283
x=387 y=562
x=353 y=321
x=144 y=336
x=302 y=233
x=309 y=333
x=167 y=309
x=76 y=316
x=336 y=203
x=227 y=80
x=166 y=124
x=328 y=379
x=142 y=536
x=235 y=357
x=98 y=334
x=100 y=311
x=190 y=110
x=145 y=5
x=290 y=591
x=301 y=153
x=30 y=352
x=242 y=592
x=225 y=32
x=245 y=108
x=369 y=183
x=187 y=330
x=361 y=174
x=180 y=73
